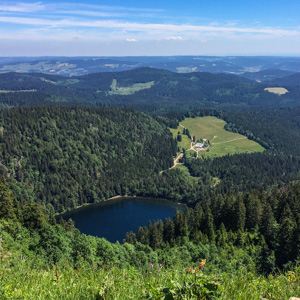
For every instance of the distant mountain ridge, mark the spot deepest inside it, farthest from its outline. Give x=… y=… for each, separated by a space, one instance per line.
x=74 y=66
x=267 y=75
x=147 y=89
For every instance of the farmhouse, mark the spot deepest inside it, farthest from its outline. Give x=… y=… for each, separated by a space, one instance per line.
x=199 y=146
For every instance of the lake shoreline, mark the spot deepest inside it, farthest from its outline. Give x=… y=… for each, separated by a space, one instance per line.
x=110 y=199
x=114 y=218
x=89 y=204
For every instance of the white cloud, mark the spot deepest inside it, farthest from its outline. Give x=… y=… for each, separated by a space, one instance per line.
x=23 y=7
x=174 y=38
x=131 y=40
x=151 y=28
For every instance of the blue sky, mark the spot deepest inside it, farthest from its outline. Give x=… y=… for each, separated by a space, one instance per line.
x=131 y=27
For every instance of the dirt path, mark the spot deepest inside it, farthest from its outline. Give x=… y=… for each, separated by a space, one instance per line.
x=191 y=146
x=176 y=159
x=229 y=141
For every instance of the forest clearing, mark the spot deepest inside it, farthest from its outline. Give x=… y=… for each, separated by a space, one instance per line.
x=221 y=142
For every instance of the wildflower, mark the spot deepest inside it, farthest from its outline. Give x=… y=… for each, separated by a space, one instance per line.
x=56 y=273
x=291 y=276
x=203 y=261
x=151 y=265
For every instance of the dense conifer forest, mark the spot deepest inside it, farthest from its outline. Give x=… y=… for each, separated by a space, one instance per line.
x=65 y=157
x=239 y=231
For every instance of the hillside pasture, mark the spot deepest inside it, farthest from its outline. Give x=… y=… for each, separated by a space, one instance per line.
x=277 y=90
x=222 y=142
x=17 y=91
x=129 y=90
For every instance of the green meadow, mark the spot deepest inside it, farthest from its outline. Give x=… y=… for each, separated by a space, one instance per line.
x=128 y=90
x=186 y=142
x=222 y=142
x=17 y=91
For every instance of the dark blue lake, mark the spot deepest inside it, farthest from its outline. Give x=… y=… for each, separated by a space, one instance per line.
x=114 y=218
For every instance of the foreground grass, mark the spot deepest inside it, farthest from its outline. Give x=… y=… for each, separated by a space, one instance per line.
x=20 y=280
x=86 y=282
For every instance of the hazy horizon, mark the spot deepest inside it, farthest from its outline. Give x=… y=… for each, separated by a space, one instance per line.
x=135 y=28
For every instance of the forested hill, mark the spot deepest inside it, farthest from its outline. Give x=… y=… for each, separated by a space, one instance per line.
x=147 y=89
x=292 y=80
x=64 y=157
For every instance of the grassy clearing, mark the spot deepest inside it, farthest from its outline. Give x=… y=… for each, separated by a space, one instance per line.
x=19 y=91
x=222 y=142
x=277 y=90
x=185 y=170
x=186 y=69
x=129 y=90
x=185 y=143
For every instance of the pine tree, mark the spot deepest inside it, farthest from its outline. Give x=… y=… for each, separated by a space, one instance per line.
x=169 y=231
x=208 y=227
x=222 y=236
x=130 y=238
x=266 y=258
x=286 y=243
x=239 y=214
x=268 y=226
x=143 y=235
x=9 y=208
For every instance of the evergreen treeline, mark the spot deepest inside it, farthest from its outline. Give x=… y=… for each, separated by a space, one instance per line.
x=275 y=129
x=233 y=237
x=240 y=172
x=259 y=230
x=31 y=233
x=270 y=219
x=64 y=157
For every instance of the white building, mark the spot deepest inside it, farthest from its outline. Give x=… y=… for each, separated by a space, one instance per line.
x=199 y=145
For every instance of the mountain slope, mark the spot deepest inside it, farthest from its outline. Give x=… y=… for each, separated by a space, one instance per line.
x=266 y=75
x=65 y=157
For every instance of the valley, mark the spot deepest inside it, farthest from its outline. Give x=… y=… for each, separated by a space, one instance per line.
x=226 y=147
x=149 y=150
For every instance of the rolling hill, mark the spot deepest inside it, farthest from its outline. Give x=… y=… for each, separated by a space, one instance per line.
x=162 y=91
x=74 y=66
